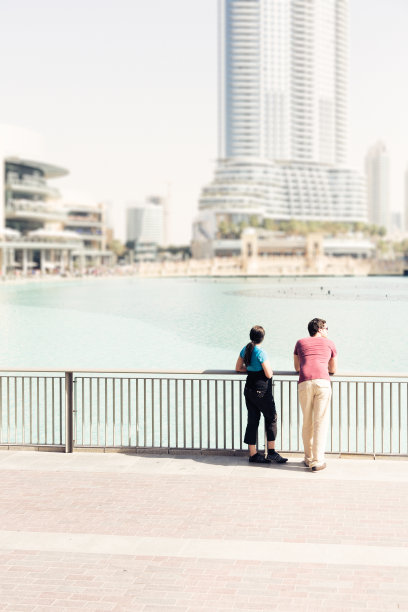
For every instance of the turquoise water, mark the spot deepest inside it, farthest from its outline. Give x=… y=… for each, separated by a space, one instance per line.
x=188 y=323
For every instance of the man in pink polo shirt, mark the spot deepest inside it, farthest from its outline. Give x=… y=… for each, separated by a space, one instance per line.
x=315 y=359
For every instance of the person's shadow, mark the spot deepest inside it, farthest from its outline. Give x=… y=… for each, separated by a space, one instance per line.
x=292 y=465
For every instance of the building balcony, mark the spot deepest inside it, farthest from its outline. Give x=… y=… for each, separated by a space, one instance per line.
x=91 y=221
x=86 y=233
x=33 y=209
x=60 y=236
x=10 y=235
x=31 y=186
x=36 y=241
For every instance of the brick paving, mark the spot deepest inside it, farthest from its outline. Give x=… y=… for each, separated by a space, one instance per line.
x=189 y=506
x=351 y=503
x=86 y=581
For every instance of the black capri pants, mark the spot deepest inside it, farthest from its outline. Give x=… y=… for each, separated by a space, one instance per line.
x=257 y=405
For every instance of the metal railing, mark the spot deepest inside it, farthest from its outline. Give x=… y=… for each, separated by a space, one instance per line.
x=32 y=409
x=194 y=411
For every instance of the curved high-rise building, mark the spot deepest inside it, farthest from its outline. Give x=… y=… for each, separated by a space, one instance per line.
x=283 y=104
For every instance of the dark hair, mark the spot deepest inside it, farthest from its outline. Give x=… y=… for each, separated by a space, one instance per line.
x=315 y=325
x=257 y=334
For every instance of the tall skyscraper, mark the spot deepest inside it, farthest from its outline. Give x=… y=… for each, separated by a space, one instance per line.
x=377 y=164
x=283 y=113
x=283 y=79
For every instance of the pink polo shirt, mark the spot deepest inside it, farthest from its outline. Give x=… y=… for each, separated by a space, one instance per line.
x=314 y=355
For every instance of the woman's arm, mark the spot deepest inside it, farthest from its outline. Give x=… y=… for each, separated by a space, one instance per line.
x=267 y=368
x=240 y=365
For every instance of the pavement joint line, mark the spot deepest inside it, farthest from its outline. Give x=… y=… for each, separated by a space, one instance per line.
x=237 y=550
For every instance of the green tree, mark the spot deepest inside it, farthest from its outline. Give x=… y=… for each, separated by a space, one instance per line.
x=383 y=246
x=223 y=228
x=270 y=224
x=359 y=227
x=234 y=231
x=243 y=225
x=117 y=247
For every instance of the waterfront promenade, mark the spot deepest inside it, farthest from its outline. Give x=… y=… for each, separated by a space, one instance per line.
x=95 y=531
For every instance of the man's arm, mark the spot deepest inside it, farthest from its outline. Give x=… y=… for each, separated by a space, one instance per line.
x=296 y=362
x=333 y=365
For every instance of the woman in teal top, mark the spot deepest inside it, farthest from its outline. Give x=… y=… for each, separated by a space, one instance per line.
x=258 y=396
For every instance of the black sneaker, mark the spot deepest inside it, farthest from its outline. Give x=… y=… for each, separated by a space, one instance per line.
x=257 y=458
x=276 y=457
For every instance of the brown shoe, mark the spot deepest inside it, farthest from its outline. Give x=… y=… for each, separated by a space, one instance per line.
x=317 y=468
x=306 y=463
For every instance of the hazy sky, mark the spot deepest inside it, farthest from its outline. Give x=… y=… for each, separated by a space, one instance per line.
x=125 y=93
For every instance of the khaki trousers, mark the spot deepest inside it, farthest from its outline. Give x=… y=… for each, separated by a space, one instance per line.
x=314 y=397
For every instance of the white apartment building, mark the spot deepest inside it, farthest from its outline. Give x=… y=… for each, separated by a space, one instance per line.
x=377 y=165
x=283 y=107
x=144 y=226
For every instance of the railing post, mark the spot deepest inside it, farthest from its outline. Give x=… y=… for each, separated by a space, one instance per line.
x=69 y=412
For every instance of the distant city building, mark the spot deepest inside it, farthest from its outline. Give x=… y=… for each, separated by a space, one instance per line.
x=406 y=200
x=166 y=216
x=36 y=231
x=89 y=222
x=396 y=221
x=144 y=227
x=377 y=165
x=108 y=207
x=283 y=113
x=276 y=244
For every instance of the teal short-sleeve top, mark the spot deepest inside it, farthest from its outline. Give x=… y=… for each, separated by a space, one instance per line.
x=257 y=358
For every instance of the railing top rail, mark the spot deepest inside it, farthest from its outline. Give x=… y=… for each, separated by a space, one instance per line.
x=192 y=372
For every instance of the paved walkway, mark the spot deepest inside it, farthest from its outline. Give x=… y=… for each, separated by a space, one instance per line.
x=95 y=531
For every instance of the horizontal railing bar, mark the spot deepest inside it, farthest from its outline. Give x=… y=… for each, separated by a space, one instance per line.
x=200 y=372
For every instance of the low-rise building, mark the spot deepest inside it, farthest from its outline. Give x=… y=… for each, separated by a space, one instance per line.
x=264 y=243
x=89 y=222
x=38 y=233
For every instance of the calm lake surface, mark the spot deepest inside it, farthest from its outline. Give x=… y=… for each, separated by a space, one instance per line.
x=200 y=323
